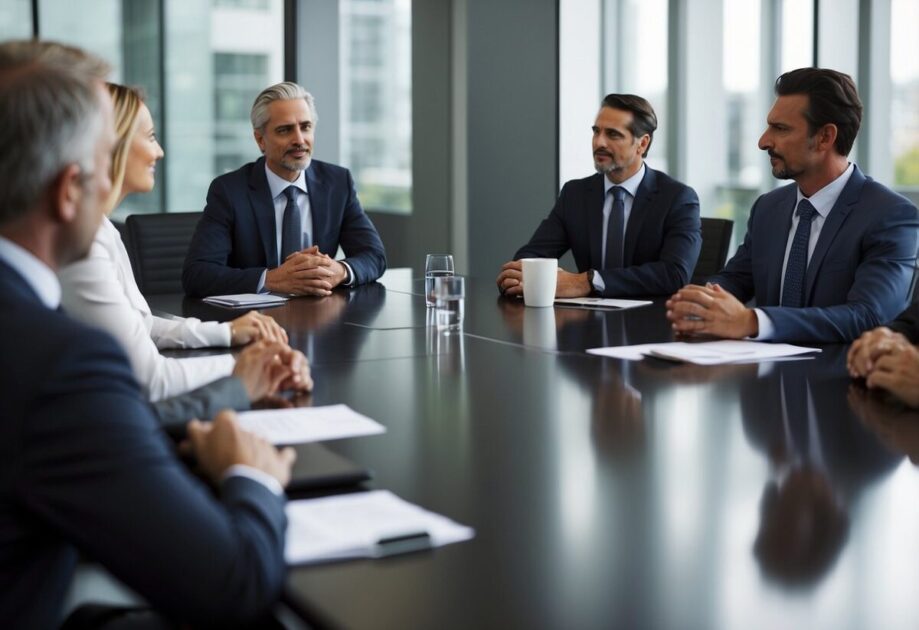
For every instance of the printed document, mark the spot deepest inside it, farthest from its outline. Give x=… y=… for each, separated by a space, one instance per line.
x=708 y=352
x=364 y=524
x=308 y=424
x=246 y=300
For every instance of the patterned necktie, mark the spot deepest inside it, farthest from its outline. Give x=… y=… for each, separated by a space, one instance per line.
x=615 y=227
x=291 y=226
x=793 y=288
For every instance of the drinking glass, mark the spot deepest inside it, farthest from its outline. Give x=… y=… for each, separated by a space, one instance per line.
x=435 y=266
x=449 y=294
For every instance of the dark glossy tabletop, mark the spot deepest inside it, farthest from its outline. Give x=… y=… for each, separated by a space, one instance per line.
x=607 y=493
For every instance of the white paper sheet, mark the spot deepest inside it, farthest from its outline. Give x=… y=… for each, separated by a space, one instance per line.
x=351 y=525
x=708 y=352
x=308 y=424
x=246 y=300
x=595 y=302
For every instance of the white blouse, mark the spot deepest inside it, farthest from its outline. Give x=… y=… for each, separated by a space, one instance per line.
x=101 y=291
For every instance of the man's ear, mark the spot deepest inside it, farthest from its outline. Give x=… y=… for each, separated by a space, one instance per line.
x=66 y=192
x=259 y=139
x=826 y=136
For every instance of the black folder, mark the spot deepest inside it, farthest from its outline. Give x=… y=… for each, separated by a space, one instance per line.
x=318 y=468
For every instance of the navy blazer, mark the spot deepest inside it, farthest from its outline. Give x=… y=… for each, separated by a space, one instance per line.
x=236 y=238
x=858 y=276
x=662 y=239
x=85 y=466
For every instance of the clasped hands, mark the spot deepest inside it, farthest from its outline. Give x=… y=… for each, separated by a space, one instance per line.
x=307 y=272
x=710 y=311
x=886 y=360
x=268 y=365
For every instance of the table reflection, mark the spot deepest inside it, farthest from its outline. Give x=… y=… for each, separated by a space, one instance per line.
x=821 y=459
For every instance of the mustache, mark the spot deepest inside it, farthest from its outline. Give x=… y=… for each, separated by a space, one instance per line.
x=603 y=152
x=775 y=155
x=301 y=147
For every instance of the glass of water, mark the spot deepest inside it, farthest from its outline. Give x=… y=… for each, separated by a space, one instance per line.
x=435 y=266
x=449 y=294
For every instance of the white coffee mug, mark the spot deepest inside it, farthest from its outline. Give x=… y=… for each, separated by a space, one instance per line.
x=540 y=276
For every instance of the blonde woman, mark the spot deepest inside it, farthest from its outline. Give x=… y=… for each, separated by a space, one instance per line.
x=101 y=289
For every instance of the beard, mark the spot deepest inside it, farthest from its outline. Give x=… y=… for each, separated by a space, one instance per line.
x=301 y=164
x=782 y=170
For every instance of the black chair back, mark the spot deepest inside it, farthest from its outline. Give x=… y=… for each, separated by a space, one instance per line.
x=716 y=239
x=157 y=244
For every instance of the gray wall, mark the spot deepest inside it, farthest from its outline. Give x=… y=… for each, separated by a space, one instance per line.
x=511 y=126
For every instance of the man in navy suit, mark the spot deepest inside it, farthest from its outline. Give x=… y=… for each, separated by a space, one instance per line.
x=84 y=466
x=633 y=231
x=274 y=224
x=825 y=258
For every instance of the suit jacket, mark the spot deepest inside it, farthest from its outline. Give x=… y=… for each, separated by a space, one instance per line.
x=662 y=239
x=858 y=276
x=203 y=403
x=85 y=466
x=907 y=323
x=236 y=238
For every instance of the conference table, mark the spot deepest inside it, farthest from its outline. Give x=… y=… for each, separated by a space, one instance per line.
x=605 y=493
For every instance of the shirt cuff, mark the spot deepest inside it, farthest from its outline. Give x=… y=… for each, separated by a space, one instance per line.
x=349 y=281
x=226 y=330
x=598 y=283
x=766 y=327
x=256 y=475
x=261 y=283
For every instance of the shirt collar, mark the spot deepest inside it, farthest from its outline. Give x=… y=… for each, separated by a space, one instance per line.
x=278 y=184
x=37 y=274
x=631 y=184
x=824 y=199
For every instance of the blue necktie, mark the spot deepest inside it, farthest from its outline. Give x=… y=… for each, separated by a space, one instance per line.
x=793 y=288
x=615 y=227
x=291 y=226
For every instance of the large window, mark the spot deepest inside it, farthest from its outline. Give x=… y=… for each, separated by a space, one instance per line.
x=375 y=66
x=15 y=19
x=635 y=60
x=761 y=40
x=201 y=64
x=904 y=74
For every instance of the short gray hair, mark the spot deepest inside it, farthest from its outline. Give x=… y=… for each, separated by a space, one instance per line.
x=286 y=91
x=50 y=108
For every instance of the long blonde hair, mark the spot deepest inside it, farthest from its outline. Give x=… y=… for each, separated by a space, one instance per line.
x=127 y=102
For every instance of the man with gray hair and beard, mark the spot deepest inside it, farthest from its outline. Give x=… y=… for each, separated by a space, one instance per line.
x=633 y=231
x=83 y=462
x=276 y=223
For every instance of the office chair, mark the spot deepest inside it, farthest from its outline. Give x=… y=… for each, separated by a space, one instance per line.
x=157 y=244
x=716 y=239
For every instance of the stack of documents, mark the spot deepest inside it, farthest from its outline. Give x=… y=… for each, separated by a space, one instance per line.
x=602 y=303
x=708 y=352
x=246 y=300
x=364 y=525
x=299 y=425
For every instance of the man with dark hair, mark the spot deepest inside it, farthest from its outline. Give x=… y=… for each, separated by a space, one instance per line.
x=83 y=463
x=825 y=259
x=633 y=230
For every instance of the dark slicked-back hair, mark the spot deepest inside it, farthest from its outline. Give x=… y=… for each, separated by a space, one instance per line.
x=832 y=99
x=644 y=120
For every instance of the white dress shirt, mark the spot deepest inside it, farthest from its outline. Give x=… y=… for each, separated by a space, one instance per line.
x=277 y=185
x=101 y=291
x=37 y=274
x=631 y=187
x=823 y=201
